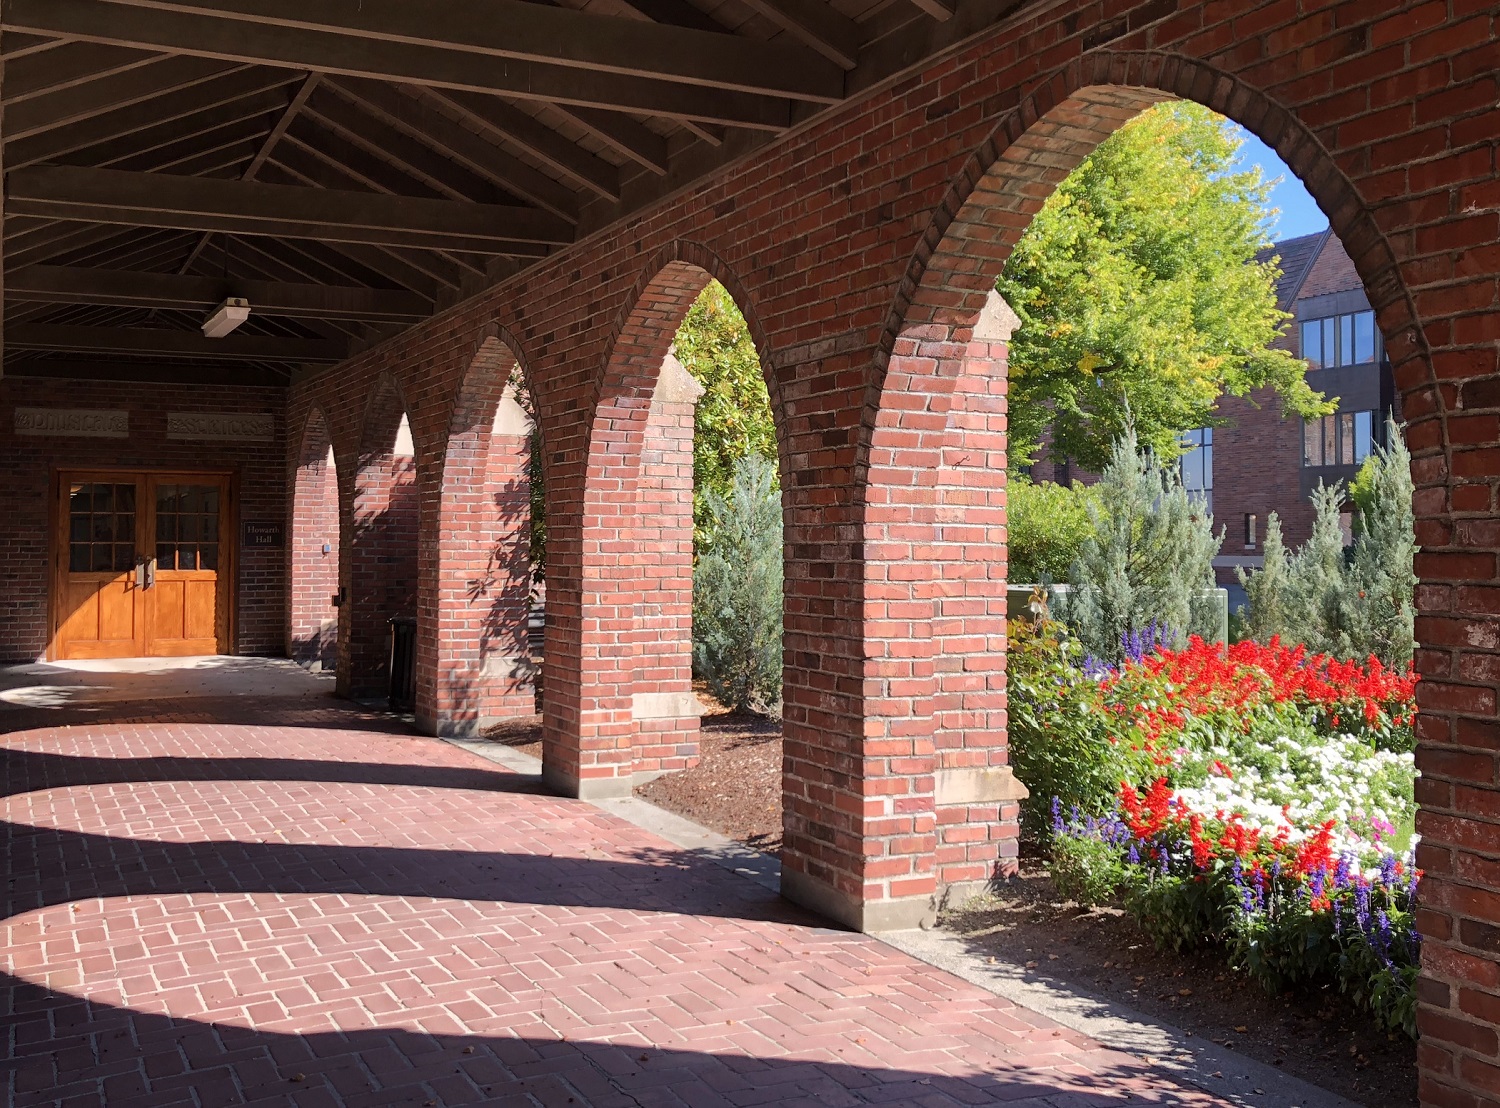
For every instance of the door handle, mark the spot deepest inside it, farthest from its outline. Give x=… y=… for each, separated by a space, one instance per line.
x=140 y=574
x=150 y=568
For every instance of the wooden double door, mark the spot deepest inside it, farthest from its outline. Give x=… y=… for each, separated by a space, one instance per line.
x=144 y=565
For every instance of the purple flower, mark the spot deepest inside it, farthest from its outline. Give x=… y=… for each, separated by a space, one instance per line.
x=1057 y=823
x=1388 y=870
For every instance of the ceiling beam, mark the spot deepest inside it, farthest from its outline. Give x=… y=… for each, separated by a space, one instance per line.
x=816 y=23
x=246 y=208
x=299 y=98
x=213 y=96
x=77 y=63
x=504 y=123
x=74 y=103
x=517 y=31
x=420 y=122
x=644 y=79
x=172 y=344
x=158 y=372
x=53 y=284
x=623 y=135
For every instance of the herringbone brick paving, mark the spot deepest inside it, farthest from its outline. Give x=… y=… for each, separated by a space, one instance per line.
x=307 y=907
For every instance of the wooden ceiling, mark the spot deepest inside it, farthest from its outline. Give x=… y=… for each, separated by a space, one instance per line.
x=352 y=166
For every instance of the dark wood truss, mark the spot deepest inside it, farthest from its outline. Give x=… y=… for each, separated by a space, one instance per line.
x=350 y=167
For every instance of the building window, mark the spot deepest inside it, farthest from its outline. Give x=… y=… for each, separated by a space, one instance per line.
x=1341 y=340
x=1341 y=439
x=1250 y=522
x=1197 y=466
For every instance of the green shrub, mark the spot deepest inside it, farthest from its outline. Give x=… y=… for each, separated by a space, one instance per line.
x=1086 y=871
x=1061 y=741
x=737 y=591
x=1047 y=526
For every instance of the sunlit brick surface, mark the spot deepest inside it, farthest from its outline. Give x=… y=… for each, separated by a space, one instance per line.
x=322 y=914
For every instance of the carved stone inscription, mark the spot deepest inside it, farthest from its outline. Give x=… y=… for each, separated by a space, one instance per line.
x=73 y=423
x=221 y=426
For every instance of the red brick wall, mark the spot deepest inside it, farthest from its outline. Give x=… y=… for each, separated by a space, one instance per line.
x=27 y=464
x=313 y=573
x=1333 y=271
x=882 y=224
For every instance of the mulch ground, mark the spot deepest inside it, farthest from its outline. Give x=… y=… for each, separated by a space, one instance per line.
x=1315 y=1036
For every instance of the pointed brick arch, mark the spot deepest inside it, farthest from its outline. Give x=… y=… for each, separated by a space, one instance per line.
x=313 y=548
x=475 y=667
x=618 y=668
x=380 y=569
x=933 y=455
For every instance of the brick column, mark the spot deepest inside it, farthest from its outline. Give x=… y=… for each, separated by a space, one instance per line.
x=662 y=705
x=976 y=795
x=382 y=579
x=313 y=554
x=481 y=671
x=920 y=804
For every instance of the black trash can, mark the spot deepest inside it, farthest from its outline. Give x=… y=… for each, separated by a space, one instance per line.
x=403 y=663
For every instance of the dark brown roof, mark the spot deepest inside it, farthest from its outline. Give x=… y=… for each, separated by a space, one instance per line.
x=1296 y=260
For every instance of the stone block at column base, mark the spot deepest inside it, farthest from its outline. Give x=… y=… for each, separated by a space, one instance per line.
x=565 y=783
x=869 y=916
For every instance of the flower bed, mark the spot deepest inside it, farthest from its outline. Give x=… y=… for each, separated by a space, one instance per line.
x=1262 y=801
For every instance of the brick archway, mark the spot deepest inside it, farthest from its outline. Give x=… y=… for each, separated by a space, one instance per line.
x=313 y=548
x=943 y=344
x=474 y=666
x=618 y=695
x=379 y=574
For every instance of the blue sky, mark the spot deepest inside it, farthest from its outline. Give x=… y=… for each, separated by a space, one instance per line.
x=1300 y=215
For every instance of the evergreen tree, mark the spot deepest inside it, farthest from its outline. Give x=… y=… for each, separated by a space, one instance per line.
x=737 y=591
x=1267 y=589
x=1150 y=553
x=1318 y=593
x=1349 y=602
x=1385 y=548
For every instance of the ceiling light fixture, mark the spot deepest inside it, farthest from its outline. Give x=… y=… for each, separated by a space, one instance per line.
x=226 y=317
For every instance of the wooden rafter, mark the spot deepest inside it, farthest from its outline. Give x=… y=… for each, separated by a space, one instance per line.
x=72 y=285
x=667 y=73
x=241 y=207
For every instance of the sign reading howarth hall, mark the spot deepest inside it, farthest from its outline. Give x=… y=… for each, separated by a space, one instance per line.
x=221 y=426
x=73 y=423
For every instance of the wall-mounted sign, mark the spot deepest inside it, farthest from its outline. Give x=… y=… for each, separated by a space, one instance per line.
x=221 y=426
x=76 y=423
x=263 y=533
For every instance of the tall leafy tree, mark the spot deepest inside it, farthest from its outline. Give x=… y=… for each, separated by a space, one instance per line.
x=734 y=414
x=1140 y=297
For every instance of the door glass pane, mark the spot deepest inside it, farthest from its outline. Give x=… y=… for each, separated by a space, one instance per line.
x=187 y=523
x=78 y=557
x=208 y=556
x=1346 y=439
x=104 y=528
x=124 y=557
x=102 y=558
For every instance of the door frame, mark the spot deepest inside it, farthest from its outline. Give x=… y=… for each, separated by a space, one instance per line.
x=227 y=616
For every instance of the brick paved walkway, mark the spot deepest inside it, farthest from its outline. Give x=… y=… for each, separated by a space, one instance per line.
x=310 y=908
